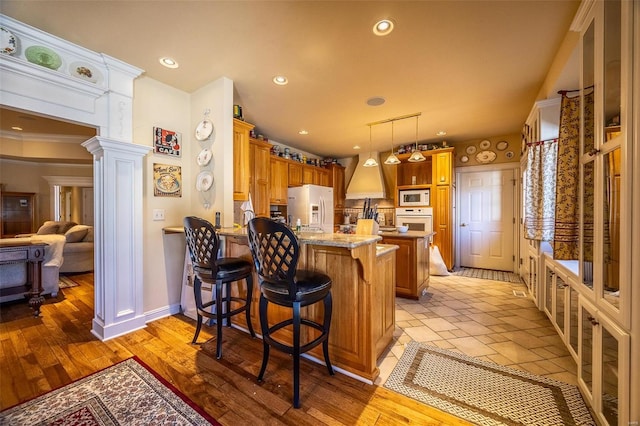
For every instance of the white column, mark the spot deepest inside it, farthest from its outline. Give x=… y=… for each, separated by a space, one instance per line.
x=118 y=278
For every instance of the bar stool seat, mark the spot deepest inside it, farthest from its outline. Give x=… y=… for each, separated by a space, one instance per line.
x=275 y=252
x=220 y=273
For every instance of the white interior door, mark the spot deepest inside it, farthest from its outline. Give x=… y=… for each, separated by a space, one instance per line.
x=487 y=219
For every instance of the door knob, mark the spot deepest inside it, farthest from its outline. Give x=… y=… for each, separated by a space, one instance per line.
x=463 y=224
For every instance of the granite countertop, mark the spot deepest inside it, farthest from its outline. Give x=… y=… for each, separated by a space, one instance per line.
x=408 y=234
x=382 y=249
x=317 y=238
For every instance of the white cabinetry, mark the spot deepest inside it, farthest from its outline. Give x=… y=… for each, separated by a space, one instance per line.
x=609 y=286
x=542 y=124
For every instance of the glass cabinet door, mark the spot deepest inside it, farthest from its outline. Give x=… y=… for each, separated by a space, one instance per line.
x=611 y=70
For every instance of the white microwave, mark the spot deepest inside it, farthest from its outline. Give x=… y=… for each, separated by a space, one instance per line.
x=414 y=197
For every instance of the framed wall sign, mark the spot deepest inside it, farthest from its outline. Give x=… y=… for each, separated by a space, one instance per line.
x=167 y=142
x=167 y=180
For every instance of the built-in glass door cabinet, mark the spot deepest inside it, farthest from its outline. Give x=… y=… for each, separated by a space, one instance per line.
x=542 y=124
x=606 y=160
x=603 y=367
x=561 y=300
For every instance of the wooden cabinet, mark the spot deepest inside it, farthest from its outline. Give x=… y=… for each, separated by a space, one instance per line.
x=322 y=177
x=241 y=154
x=414 y=173
x=384 y=322
x=309 y=175
x=442 y=223
x=259 y=166
x=412 y=265
x=295 y=174
x=279 y=181
x=336 y=174
x=442 y=170
x=18 y=214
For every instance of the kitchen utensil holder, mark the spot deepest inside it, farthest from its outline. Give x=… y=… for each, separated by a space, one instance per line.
x=367 y=227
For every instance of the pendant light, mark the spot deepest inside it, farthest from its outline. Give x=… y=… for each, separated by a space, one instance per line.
x=371 y=162
x=392 y=159
x=416 y=156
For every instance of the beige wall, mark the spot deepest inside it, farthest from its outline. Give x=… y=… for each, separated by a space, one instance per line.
x=26 y=176
x=158 y=105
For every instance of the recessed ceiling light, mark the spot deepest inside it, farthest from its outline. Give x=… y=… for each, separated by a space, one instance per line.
x=280 y=80
x=356 y=147
x=375 y=101
x=303 y=132
x=16 y=128
x=441 y=133
x=383 y=27
x=169 y=62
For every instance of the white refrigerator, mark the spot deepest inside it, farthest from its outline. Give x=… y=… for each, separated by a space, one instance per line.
x=313 y=205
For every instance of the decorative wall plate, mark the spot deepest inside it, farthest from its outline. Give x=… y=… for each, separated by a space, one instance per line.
x=204 y=129
x=471 y=149
x=502 y=145
x=509 y=154
x=43 y=56
x=8 y=42
x=204 y=157
x=485 y=144
x=204 y=181
x=85 y=71
x=485 y=157
x=464 y=159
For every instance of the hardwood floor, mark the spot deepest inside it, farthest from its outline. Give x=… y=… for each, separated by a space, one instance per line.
x=41 y=354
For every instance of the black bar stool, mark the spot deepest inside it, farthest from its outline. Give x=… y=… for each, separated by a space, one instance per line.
x=203 y=243
x=275 y=252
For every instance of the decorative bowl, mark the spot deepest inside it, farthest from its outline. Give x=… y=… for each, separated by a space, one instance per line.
x=402 y=228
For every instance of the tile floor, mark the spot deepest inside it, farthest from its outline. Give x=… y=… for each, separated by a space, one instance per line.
x=484 y=319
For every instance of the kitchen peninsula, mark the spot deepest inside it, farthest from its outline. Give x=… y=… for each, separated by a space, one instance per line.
x=363 y=275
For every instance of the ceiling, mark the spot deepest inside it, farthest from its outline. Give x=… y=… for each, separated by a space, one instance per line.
x=472 y=68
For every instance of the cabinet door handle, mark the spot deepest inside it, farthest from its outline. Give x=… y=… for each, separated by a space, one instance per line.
x=592 y=320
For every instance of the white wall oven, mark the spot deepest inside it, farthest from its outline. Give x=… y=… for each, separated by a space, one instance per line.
x=414 y=197
x=415 y=218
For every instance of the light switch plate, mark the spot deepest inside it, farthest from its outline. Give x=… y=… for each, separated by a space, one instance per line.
x=158 y=214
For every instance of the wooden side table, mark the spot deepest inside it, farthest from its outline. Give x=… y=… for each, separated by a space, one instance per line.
x=31 y=253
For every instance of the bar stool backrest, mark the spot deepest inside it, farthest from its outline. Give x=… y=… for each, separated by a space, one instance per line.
x=275 y=252
x=203 y=243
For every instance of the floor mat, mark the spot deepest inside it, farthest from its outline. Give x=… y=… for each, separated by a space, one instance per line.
x=485 y=393
x=488 y=274
x=66 y=282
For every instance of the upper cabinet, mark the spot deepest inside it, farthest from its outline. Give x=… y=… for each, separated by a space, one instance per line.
x=336 y=174
x=259 y=168
x=443 y=168
x=295 y=174
x=606 y=157
x=279 y=181
x=241 y=165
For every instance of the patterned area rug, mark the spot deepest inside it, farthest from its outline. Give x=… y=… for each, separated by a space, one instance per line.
x=485 y=393
x=66 y=282
x=488 y=274
x=128 y=393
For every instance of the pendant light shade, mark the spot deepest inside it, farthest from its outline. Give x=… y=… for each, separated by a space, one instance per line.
x=416 y=156
x=392 y=159
x=371 y=162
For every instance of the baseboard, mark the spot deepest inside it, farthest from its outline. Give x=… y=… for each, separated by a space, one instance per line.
x=165 y=311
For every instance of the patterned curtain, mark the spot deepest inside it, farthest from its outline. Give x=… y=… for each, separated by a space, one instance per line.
x=540 y=190
x=566 y=244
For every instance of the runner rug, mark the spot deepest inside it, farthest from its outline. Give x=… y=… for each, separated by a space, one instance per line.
x=485 y=393
x=128 y=393
x=66 y=282
x=488 y=274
